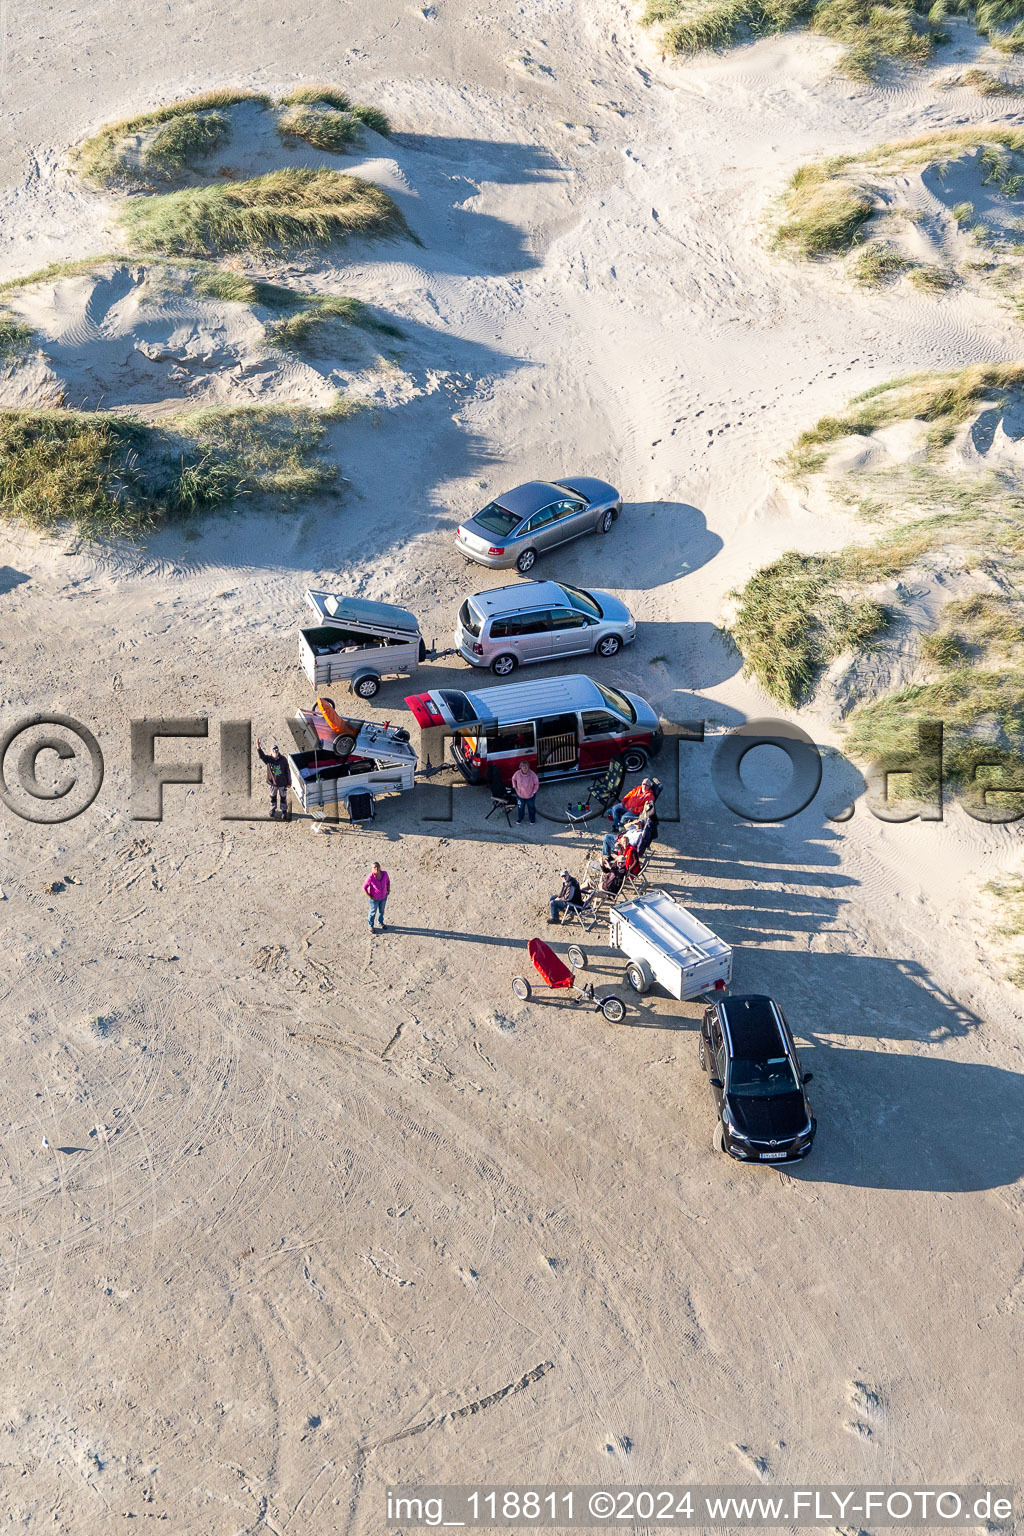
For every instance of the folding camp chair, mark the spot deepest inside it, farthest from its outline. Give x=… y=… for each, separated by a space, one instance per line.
x=592 y=912
x=603 y=791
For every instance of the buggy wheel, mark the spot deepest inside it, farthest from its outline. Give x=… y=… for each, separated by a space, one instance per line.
x=521 y=988
x=638 y=974
x=366 y=685
x=635 y=760
x=614 y=1009
x=577 y=959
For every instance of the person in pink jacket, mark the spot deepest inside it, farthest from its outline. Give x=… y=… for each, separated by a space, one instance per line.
x=377 y=886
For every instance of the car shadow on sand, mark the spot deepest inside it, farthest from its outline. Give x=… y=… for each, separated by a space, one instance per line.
x=650 y=545
x=894 y=1120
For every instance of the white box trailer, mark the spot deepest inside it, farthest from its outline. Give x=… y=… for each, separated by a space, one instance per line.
x=359 y=642
x=379 y=761
x=665 y=943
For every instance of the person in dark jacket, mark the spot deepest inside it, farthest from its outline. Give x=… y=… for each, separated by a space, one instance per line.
x=569 y=896
x=277 y=777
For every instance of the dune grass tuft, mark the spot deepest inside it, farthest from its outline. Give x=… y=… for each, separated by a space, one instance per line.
x=288 y=210
x=326 y=118
x=301 y=331
x=794 y=619
x=873 y=31
x=15 y=338
x=823 y=218
x=877 y=264
x=111 y=476
x=185 y=131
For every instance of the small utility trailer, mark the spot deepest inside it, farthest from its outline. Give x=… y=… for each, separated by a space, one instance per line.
x=359 y=642
x=665 y=943
x=373 y=760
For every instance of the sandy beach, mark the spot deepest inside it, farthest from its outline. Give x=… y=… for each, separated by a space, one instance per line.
x=277 y=1200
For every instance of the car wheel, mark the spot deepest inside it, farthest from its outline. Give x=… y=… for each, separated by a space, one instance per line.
x=717 y=1141
x=504 y=666
x=703 y=1055
x=521 y=988
x=635 y=760
x=611 y=645
x=605 y=521
x=526 y=562
x=366 y=687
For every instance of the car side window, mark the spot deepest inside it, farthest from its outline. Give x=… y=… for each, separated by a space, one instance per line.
x=718 y=1046
x=567 y=618
x=510 y=738
x=539 y=520
x=597 y=723
x=567 y=508
x=536 y=623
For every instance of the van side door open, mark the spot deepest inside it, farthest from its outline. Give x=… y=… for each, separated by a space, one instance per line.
x=557 y=745
x=601 y=739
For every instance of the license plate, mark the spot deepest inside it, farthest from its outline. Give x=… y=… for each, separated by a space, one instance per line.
x=766 y=1156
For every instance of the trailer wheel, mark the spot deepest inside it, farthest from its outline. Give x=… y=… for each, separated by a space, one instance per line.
x=639 y=976
x=614 y=1009
x=577 y=959
x=366 y=685
x=521 y=988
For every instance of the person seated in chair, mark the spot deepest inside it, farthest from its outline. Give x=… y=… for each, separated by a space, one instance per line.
x=632 y=803
x=614 y=874
x=569 y=896
x=628 y=837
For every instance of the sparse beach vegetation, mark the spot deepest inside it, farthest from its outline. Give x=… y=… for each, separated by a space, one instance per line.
x=160 y=145
x=325 y=118
x=108 y=476
x=286 y=210
x=900 y=31
x=935 y=512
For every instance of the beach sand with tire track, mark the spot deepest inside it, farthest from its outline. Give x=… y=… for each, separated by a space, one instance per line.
x=303 y=1198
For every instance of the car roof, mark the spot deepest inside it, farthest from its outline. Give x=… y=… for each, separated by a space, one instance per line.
x=530 y=497
x=754 y=1025
x=519 y=596
x=525 y=701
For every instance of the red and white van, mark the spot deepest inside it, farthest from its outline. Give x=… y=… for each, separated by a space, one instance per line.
x=562 y=726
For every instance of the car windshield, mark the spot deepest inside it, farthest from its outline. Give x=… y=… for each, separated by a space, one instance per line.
x=495 y=519
x=582 y=601
x=763 y=1079
x=616 y=701
x=458 y=704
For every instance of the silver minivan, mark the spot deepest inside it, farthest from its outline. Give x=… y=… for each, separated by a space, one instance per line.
x=540 y=621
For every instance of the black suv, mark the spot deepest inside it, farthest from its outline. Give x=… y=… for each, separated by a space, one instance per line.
x=755 y=1076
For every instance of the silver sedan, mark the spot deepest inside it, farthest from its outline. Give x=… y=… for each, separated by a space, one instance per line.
x=517 y=526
